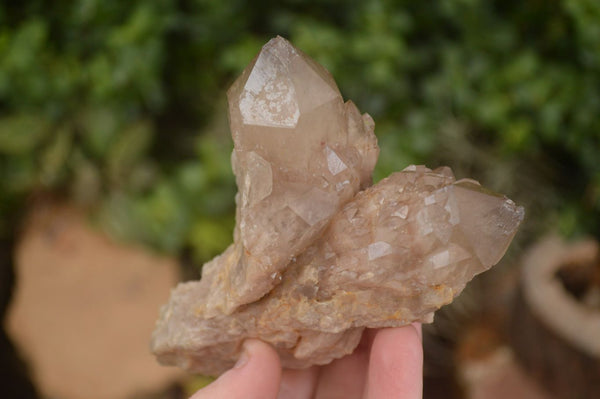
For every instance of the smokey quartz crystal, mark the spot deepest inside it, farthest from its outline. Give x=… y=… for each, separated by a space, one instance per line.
x=318 y=253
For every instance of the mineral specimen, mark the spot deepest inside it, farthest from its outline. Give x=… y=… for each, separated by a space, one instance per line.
x=315 y=260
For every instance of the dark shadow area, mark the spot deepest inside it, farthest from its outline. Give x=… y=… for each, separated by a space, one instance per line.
x=14 y=375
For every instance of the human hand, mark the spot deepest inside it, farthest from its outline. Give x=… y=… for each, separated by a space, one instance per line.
x=388 y=363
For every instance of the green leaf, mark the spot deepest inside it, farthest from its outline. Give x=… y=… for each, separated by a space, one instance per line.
x=129 y=148
x=55 y=156
x=98 y=126
x=21 y=133
x=209 y=237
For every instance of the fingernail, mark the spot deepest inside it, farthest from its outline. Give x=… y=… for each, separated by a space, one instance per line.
x=243 y=359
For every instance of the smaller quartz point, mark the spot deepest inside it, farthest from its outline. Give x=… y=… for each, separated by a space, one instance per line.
x=318 y=253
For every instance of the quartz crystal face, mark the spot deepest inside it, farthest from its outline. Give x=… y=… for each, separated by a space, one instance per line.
x=319 y=254
x=299 y=154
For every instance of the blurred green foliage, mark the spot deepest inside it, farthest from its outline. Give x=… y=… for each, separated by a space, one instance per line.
x=119 y=105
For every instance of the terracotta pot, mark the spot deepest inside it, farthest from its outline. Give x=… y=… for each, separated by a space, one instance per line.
x=555 y=328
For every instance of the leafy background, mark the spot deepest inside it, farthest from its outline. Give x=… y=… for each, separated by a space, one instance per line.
x=119 y=106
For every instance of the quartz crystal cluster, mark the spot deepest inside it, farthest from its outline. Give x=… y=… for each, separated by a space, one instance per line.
x=319 y=254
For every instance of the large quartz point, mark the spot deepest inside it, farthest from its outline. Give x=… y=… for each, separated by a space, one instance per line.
x=315 y=260
x=299 y=154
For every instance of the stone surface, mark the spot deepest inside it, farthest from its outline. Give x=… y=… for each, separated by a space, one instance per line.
x=83 y=308
x=315 y=260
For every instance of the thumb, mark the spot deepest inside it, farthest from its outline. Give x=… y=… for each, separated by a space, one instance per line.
x=256 y=375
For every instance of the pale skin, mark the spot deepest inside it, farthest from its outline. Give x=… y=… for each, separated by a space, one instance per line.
x=388 y=363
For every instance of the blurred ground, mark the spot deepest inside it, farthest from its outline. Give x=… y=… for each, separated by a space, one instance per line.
x=499 y=376
x=84 y=308
x=488 y=368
